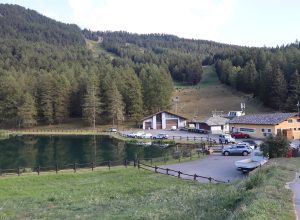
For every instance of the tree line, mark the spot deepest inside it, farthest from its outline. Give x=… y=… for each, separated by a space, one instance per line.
x=47 y=76
x=270 y=74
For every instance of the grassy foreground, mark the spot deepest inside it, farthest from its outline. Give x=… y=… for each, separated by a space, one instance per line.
x=137 y=194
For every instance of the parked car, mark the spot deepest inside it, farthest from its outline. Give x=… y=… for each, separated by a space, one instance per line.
x=245 y=144
x=173 y=128
x=161 y=136
x=184 y=129
x=225 y=139
x=146 y=135
x=136 y=134
x=253 y=144
x=139 y=134
x=111 y=130
x=236 y=150
x=239 y=135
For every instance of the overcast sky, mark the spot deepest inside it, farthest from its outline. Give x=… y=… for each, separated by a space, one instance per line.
x=241 y=22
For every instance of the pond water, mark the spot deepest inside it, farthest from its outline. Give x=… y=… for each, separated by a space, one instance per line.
x=31 y=151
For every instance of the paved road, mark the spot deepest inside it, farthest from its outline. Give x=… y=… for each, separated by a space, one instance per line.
x=216 y=166
x=295 y=186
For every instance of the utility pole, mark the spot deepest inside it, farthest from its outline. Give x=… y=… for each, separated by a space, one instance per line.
x=243 y=107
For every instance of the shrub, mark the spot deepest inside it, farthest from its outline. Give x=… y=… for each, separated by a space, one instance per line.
x=273 y=147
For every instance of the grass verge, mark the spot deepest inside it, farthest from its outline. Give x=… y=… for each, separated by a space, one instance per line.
x=136 y=194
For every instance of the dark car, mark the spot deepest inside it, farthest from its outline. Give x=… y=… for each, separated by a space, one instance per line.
x=239 y=135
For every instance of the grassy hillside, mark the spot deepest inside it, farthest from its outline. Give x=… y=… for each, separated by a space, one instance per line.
x=209 y=95
x=137 y=194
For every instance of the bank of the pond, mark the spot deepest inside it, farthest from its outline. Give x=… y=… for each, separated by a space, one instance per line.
x=27 y=152
x=137 y=194
x=117 y=135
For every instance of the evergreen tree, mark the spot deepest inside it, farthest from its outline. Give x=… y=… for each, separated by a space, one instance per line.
x=27 y=112
x=61 y=101
x=157 y=88
x=278 y=90
x=131 y=90
x=91 y=106
x=115 y=105
x=10 y=97
x=265 y=84
x=293 y=92
x=45 y=98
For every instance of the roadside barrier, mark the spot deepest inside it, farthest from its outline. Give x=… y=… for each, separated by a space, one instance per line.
x=74 y=167
x=177 y=173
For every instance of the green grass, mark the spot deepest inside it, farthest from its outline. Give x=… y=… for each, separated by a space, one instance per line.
x=97 y=50
x=209 y=77
x=137 y=194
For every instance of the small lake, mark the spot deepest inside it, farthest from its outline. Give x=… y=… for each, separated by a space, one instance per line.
x=31 y=151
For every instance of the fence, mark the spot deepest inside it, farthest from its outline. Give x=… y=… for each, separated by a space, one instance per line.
x=135 y=163
x=58 y=131
x=74 y=166
x=177 y=173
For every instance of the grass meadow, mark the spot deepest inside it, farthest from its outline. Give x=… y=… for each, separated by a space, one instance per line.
x=129 y=193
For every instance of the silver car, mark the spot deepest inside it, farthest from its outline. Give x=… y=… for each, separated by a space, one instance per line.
x=237 y=150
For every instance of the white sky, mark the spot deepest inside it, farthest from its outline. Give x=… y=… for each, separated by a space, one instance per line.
x=241 y=22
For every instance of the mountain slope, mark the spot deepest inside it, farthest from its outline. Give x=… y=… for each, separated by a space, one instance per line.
x=198 y=102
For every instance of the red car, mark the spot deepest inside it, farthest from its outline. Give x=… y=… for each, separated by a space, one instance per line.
x=239 y=135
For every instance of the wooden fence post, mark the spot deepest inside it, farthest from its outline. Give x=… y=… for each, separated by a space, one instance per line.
x=18 y=171
x=56 y=168
x=74 y=167
x=38 y=169
x=126 y=163
x=138 y=164
x=109 y=164
x=167 y=171
x=179 y=174
x=155 y=168
x=92 y=166
x=195 y=177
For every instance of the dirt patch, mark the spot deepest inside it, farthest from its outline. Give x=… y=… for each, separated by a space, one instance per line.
x=199 y=101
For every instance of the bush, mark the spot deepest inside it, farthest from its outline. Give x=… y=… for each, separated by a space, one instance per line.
x=273 y=147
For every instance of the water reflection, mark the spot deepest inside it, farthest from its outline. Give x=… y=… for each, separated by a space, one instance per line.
x=31 y=151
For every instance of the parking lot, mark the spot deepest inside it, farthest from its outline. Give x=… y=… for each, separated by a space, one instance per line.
x=183 y=134
x=216 y=166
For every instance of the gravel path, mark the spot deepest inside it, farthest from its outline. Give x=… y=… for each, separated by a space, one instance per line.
x=295 y=186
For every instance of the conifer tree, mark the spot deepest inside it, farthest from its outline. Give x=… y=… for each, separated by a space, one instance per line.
x=279 y=90
x=293 y=92
x=115 y=104
x=27 y=112
x=91 y=105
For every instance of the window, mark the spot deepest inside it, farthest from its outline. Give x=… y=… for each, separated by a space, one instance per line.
x=247 y=130
x=266 y=130
x=298 y=129
x=295 y=129
x=290 y=120
x=298 y=120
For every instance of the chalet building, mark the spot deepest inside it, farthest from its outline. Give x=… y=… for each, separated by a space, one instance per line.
x=163 y=120
x=262 y=125
x=215 y=124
